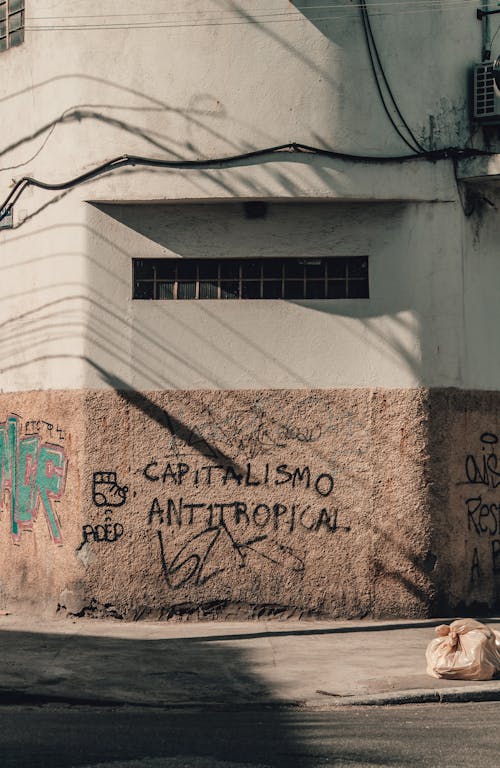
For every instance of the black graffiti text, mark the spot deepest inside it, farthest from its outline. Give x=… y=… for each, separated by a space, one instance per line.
x=107 y=532
x=484 y=469
x=179 y=473
x=476 y=570
x=483 y=517
x=106 y=492
x=181 y=513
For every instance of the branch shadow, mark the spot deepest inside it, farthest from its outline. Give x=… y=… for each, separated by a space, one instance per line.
x=153 y=411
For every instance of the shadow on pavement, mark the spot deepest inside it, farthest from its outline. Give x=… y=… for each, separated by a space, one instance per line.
x=330 y=630
x=211 y=704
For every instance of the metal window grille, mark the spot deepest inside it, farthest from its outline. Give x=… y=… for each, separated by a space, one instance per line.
x=484 y=90
x=11 y=23
x=240 y=279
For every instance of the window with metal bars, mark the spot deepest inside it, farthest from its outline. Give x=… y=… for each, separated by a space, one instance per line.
x=197 y=279
x=11 y=23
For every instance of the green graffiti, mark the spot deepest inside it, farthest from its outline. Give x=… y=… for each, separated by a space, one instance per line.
x=32 y=475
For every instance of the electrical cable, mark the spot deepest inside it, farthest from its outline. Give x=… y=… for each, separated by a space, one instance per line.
x=388 y=87
x=369 y=42
x=116 y=163
x=258 y=11
x=272 y=18
x=189 y=25
x=494 y=36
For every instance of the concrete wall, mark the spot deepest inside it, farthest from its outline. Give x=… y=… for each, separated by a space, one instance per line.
x=69 y=320
x=463 y=484
x=303 y=503
x=220 y=504
x=382 y=399
x=65 y=296
x=407 y=333
x=254 y=77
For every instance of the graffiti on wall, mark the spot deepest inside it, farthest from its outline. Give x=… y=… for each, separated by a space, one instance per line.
x=229 y=492
x=257 y=431
x=32 y=476
x=199 y=540
x=107 y=495
x=253 y=432
x=106 y=492
x=482 y=505
x=44 y=429
x=108 y=532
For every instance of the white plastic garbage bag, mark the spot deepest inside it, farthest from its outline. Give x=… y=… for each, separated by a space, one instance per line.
x=464 y=650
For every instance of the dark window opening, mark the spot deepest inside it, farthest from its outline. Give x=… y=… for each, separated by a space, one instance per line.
x=11 y=23
x=293 y=279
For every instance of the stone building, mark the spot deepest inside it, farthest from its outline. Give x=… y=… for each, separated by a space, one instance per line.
x=249 y=258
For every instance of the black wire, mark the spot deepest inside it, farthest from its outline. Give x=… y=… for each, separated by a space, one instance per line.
x=414 y=138
x=228 y=162
x=433 y=155
x=371 y=44
x=375 y=77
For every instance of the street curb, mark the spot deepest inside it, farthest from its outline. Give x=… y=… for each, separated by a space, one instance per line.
x=331 y=700
x=16 y=697
x=11 y=697
x=425 y=696
x=326 y=701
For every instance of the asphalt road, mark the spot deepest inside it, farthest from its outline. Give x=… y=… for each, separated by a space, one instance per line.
x=416 y=735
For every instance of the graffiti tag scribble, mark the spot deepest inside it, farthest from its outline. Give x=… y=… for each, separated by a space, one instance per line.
x=193 y=560
x=483 y=469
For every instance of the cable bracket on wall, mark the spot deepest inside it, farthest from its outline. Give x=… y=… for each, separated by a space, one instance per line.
x=480 y=14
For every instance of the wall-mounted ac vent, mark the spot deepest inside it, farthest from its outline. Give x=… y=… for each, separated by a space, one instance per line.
x=486 y=94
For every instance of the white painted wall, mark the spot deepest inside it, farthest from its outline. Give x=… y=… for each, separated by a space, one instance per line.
x=219 y=83
x=482 y=292
x=240 y=75
x=231 y=344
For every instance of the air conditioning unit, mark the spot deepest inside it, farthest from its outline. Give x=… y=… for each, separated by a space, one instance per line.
x=486 y=93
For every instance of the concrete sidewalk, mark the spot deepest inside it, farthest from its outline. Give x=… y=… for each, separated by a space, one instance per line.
x=225 y=664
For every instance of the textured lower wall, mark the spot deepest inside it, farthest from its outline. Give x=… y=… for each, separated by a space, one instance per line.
x=340 y=503
x=41 y=460
x=464 y=476
x=250 y=504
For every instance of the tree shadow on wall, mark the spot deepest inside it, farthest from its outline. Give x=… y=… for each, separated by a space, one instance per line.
x=152 y=410
x=389 y=344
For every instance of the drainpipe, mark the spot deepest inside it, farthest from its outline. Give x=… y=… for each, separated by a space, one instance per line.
x=486 y=32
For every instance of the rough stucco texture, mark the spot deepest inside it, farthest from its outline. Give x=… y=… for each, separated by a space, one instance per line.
x=464 y=475
x=339 y=503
